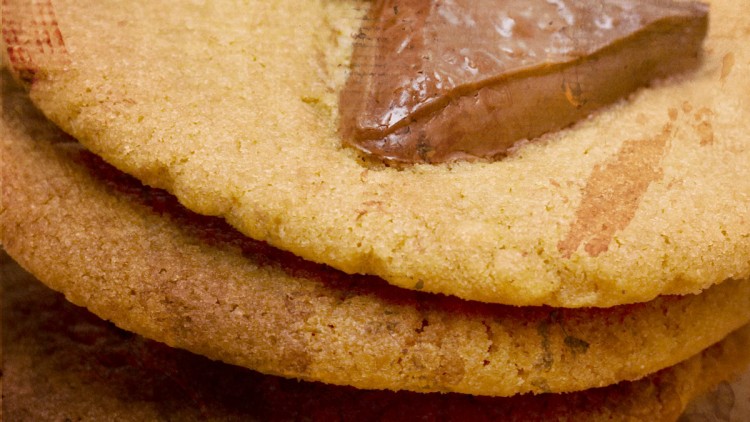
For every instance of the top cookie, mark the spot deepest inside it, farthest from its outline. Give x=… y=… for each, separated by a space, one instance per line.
x=234 y=108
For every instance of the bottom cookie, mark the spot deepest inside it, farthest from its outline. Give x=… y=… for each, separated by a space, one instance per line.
x=63 y=363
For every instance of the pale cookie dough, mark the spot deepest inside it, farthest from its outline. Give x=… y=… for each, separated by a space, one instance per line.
x=134 y=256
x=232 y=106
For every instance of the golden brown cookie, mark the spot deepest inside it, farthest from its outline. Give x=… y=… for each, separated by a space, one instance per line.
x=62 y=363
x=232 y=106
x=133 y=255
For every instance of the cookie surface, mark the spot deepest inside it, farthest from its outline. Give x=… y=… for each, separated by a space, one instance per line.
x=233 y=108
x=60 y=362
x=134 y=256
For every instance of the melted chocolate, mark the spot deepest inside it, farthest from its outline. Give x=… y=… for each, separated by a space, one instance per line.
x=444 y=80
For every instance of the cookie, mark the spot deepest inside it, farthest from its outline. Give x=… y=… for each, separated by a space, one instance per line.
x=233 y=107
x=134 y=256
x=84 y=368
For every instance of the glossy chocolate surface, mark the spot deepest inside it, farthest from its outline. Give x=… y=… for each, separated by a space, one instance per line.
x=436 y=81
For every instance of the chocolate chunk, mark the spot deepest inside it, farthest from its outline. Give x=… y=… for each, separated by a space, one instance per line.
x=444 y=80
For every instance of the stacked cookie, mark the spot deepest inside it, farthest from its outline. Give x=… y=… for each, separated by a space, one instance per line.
x=555 y=270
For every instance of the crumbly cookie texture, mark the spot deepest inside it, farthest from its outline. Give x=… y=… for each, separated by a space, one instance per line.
x=84 y=368
x=232 y=107
x=134 y=256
